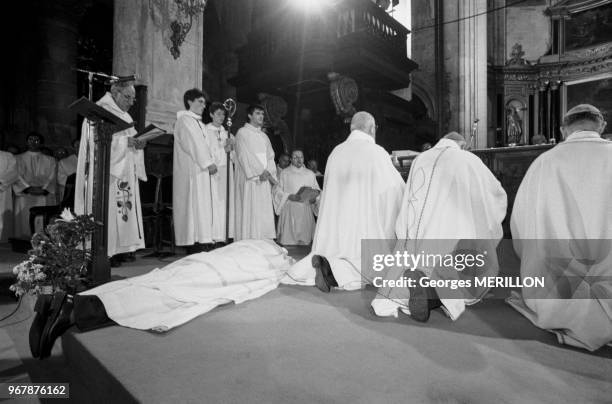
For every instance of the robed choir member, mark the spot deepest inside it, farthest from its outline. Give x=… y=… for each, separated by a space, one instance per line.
x=284 y=161
x=65 y=168
x=36 y=185
x=361 y=198
x=255 y=175
x=452 y=202
x=125 y=233
x=193 y=195
x=296 y=222
x=221 y=143
x=564 y=203
x=8 y=176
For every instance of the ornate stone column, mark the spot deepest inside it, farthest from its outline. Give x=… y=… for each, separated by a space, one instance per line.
x=465 y=65
x=142 y=43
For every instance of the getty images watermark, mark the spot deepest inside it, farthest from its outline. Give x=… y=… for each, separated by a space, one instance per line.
x=548 y=269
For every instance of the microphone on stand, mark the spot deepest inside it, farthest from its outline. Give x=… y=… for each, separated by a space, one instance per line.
x=474 y=127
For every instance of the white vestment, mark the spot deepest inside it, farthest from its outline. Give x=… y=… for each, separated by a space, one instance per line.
x=192 y=190
x=170 y=296
x=566 y=195
x=217 y=138
x=125 y=233
x=296 y=222
x=450 y=196
x=8 y=175
x=361 y=198
x=253 y=200
x=65 y=168
x=35 y=170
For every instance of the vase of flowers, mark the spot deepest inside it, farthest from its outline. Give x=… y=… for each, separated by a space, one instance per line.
x=59 y=257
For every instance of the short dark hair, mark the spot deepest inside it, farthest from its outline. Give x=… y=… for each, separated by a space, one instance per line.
x=254 y=107
x=215 y=106
x=591 y=116
x=36 y=134
x=191 y=95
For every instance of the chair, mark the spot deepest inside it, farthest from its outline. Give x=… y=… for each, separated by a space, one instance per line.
x=156 y=211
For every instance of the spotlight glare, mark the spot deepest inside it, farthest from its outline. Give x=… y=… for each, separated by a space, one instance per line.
x=308 y=5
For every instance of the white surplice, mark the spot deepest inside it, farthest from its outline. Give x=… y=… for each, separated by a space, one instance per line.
x=170 y=296
x=65 y=168
x=35 y=170
x=450 y=196
x=296 y=222
x=253 y=200
x=217 y=138
x=8 y=176
x=192 y=190
x=124 y=218
x=362 y=195
x=566 y=194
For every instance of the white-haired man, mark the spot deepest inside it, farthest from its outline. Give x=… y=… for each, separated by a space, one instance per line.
x=562 y=230
x=361 y=198
x=125 y=233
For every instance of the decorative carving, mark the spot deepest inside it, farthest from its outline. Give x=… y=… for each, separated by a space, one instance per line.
x=181 y=26
x=516 y=56
x=344 y=93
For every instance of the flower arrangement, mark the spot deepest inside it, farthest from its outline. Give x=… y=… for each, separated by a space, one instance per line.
x=59 y=256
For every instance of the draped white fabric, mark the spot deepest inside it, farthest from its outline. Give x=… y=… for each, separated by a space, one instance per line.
x=361 y=198
x=296 y=222
x=217 y=138
x=170 y=296
x=125 y=233
x=253 y=202
x=450 y=196
x=193 y=192
x=566 y=195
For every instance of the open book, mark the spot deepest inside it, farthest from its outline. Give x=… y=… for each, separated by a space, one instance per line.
x=149 y=133
x=307 y=193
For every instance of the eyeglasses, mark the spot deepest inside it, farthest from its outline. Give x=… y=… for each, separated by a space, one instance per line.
x=129 y=97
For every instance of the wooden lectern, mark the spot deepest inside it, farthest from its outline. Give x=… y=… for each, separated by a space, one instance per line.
x=104 y=125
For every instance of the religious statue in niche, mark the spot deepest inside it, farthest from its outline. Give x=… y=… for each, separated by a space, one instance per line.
x=516 y=56
x=514 y=123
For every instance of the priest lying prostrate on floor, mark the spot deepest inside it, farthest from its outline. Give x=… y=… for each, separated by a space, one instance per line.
x=164 y=298
x=562 y=230
x=452 y=201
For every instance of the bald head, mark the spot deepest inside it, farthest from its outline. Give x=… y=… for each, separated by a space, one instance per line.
x=583 y=117
x=364 y=122
x=459 y=139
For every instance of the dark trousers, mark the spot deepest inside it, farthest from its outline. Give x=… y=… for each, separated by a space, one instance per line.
x=89 y=313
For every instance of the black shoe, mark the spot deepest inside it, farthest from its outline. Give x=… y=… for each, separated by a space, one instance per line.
x=324 y=278
x=422 y=299
x=42 y=310
x=57 y=323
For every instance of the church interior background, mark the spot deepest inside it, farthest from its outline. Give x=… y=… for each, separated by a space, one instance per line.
x=500 y=72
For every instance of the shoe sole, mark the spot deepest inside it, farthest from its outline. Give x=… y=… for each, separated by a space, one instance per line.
x=319 y=278
x=56 y=308
x=418 y=303
x=38 y=325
